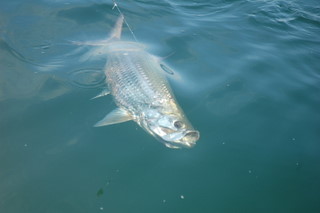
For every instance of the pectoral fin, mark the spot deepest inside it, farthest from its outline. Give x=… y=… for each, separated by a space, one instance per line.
x=104 y=92
x=116 y=116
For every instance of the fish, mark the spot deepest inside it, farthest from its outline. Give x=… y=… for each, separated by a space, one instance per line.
x=137 y=82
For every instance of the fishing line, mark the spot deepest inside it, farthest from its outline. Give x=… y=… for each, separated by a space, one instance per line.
x=115 y=5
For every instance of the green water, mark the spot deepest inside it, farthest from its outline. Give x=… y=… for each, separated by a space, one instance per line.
x=248 y=79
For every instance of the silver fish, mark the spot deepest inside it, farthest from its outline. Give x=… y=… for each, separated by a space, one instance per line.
x=137 y=82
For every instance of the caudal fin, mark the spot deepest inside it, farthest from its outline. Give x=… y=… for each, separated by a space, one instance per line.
x=117 y=29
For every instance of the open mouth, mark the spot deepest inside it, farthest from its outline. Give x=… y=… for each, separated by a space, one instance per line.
x=185 y=139
x=192 y=136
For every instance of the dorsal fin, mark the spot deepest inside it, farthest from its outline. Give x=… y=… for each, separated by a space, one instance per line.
x=116 y=31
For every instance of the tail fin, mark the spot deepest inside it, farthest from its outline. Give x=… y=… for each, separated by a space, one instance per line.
x=117 y=29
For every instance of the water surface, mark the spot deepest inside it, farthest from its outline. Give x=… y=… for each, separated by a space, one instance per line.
x=247 y=77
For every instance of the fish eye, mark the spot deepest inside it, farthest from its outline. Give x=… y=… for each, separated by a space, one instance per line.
x=178 y=124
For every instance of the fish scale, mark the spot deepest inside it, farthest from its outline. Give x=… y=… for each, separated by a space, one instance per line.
x=137 y=82
x=132 y=86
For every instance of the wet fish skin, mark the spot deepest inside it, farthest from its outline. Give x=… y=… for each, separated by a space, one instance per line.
x=137 y=82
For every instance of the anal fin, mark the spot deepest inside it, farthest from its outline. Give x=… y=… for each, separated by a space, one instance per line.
x=104 y=92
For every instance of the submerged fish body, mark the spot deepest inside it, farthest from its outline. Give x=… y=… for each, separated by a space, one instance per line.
x=137 y=82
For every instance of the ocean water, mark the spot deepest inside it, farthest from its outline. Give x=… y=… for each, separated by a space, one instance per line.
x=247 y=77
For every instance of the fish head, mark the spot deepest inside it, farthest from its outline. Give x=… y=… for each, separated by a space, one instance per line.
x=173 y=130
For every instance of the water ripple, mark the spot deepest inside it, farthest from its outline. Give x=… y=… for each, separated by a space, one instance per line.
x=87 y=78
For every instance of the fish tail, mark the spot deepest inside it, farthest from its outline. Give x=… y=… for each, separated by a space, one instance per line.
x=115 y=5
x=117 y=29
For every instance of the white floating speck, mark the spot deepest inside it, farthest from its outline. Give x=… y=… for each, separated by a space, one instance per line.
x=25 y=145
x=181 y=196
x=293 y=139
x=163 y=201
x=250 y=171
x=101 y=208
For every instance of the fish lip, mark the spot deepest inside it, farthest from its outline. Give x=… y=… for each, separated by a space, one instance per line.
x=175 y=145
x=171 y=140
x=193 y=136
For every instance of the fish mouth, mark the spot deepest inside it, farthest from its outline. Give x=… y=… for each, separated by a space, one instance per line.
x=177 y=140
